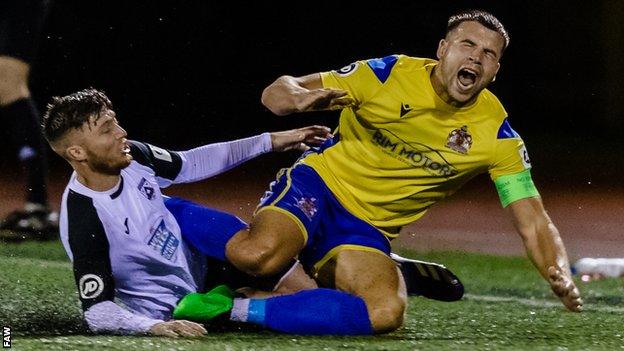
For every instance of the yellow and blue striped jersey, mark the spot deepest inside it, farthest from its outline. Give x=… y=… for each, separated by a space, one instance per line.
x=400 y=148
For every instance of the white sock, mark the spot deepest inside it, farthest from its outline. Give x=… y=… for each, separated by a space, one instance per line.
x=240 y=310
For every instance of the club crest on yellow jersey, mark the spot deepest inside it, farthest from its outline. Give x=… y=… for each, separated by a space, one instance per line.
x=459 y=140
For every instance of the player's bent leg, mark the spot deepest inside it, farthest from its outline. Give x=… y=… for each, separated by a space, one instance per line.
x=374 y=301
x=273 y=240
x=309 y=312
x=13 y=80
x=209 y=230
x=289 y=211
x=206 y=229
x=21 y=118
x=374 y=277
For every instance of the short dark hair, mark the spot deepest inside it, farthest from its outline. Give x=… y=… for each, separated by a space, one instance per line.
x=485 y=18
x=72 y=111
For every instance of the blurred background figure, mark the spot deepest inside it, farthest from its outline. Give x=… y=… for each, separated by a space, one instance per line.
x=21 y=23
x=590 y=269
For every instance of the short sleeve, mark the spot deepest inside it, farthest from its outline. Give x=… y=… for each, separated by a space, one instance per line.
x=510 y=154
x=361 y=79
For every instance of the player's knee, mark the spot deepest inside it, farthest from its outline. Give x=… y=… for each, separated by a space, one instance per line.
x=388 y=315
x=256 y=260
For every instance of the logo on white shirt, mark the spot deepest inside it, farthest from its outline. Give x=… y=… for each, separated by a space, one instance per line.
x=91 y=286
x=163 y=241
x=146 y=188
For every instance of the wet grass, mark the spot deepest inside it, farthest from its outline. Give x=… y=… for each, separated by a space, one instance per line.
x=38 y=300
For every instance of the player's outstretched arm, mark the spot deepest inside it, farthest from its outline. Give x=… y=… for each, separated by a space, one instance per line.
x=212 y=159
x=289 y=94
x=545 y=248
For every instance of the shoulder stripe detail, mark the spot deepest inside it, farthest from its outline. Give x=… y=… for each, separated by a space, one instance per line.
x=506 y=132
x=140 y=153
x=165 y=163
x=383 y=66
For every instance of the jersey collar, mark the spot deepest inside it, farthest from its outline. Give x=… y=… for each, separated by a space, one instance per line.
x=80 y=188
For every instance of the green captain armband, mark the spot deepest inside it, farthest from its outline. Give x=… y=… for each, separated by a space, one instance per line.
x=514 y=187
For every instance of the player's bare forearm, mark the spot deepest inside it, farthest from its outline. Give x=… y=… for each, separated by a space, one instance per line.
x=545 y=249
x=544 y=245
x=540 y=236
x=280 y=96
x=289 y=94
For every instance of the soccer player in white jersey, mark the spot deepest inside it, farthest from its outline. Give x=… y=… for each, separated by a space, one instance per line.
x=130 y=261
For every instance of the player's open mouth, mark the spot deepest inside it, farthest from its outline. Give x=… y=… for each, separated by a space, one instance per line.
x=125 y=149
x=466 y=78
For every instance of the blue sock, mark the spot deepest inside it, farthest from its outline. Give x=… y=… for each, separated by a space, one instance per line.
x=206 y=229
x=309 y=312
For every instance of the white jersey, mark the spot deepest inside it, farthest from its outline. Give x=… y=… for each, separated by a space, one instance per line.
x=133 y=233
x=126 y=246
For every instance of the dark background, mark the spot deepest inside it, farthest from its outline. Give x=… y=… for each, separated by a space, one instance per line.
x=184 y=73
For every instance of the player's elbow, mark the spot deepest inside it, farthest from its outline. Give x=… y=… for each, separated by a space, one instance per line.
x=99 y=318
x=275 y=97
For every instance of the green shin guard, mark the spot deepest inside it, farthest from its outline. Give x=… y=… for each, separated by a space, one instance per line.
x=204 y=307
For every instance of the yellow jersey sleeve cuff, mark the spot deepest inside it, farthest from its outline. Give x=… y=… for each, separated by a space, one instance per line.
x=328 y=80
x=515 y=187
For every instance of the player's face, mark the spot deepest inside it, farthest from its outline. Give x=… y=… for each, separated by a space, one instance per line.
x=105 y=144
x=469 y=60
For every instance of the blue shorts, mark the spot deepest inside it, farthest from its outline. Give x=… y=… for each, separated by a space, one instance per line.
x=206 y=229
x=327 y=227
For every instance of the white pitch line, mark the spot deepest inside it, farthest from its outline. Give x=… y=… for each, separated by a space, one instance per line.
x=539 y=303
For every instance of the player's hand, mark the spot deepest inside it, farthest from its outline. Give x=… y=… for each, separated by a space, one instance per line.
x=176 y=328
x=563 y=286
x=299 y=139
x=294 y=281
x=322 y=99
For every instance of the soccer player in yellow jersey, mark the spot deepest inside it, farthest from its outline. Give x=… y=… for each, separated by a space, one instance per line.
x=412 y=131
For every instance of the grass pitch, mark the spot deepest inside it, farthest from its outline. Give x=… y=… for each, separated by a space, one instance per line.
x=507 y=306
